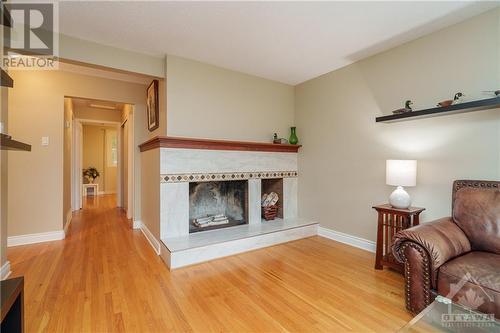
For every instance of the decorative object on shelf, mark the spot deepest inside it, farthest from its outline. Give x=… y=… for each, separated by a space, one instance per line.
x=390 y=221
x=293 y=140
x=401 y=173
x=152 y=106
x=444 y=104
x=407 y=108
x=279 y=141
x=457 y=99
x=91 y=174
x=496 y=92
x=269 y=205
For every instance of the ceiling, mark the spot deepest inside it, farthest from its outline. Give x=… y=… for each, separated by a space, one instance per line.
x=290 y=42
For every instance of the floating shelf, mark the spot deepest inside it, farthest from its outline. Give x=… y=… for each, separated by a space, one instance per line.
x=6 y=80
x=192 y=143
x=482 y=104
x=5 y=16
x=6 y=143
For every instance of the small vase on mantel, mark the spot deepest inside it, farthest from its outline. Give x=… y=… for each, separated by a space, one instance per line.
x=293 y=140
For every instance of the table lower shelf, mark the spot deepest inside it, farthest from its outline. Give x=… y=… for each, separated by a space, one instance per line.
x=388 y=260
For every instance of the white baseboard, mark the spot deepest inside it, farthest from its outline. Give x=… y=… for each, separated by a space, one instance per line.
x=69 y=218
x=136 y=224
x=35 y=238
x=341 y=237
x=149 y=236
x=5 y=270
x=106 y=192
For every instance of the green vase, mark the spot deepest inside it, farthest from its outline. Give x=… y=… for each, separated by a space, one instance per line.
x=293 y=140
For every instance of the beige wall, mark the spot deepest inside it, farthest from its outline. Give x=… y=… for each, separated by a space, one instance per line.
x=83 y=51
x=97 y=114
x=342 y=162
x=150 y=191
x=3 y=170
x=36 y=109
x=205 y=101
x=67 y=151
x=3 y=180
x=95 y=154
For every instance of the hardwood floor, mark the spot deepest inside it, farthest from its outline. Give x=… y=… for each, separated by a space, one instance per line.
x=105 y=277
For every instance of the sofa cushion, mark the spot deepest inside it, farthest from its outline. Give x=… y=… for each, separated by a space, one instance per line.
x=473 y=280
x=477 y=212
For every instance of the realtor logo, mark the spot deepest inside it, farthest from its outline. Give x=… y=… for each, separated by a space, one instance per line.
x=31 y=41
x=472 y=300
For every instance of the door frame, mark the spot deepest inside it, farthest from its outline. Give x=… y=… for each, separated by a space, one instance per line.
x=129 y=120
x=77 y=160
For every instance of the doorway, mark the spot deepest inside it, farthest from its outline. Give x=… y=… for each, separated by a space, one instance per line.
x=101 y=165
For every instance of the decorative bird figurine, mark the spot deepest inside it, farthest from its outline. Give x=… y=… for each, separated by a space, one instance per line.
x=457 y=99
x=496 y=92
x=407 y=108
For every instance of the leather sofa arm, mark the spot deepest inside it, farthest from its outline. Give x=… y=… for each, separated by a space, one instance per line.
x=423 y=249
x=442 y=240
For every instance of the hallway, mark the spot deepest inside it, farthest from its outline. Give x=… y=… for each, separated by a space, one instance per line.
x=89 y=282
x=106 y=277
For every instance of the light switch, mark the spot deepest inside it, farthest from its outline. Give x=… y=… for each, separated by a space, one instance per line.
x=45 y=140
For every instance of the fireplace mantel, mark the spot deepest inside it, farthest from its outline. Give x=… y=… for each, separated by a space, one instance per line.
x=193 y=143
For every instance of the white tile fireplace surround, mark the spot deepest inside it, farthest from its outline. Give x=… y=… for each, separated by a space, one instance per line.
x=180 y=166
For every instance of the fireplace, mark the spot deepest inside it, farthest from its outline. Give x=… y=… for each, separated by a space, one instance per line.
x=217 y=204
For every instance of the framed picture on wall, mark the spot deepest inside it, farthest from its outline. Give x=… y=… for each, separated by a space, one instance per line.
x=152 y=106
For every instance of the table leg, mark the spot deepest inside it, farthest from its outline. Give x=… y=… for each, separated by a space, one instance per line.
x=380 y=241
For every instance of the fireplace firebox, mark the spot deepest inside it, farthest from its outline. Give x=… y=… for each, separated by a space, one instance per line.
x=217 y=204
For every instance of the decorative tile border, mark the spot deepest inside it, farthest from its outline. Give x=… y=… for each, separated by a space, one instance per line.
x=209 y=177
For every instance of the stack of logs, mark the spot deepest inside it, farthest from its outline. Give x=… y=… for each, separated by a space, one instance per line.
x=210 y=220
x=269 y=206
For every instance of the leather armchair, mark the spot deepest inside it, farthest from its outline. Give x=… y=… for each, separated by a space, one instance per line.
x=459 y=256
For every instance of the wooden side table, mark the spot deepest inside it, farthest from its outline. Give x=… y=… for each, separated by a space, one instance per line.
x=390 y=221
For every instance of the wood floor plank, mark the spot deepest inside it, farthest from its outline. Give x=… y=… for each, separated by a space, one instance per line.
x=105 y=277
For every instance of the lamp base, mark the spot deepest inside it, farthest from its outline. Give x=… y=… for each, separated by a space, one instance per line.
x=400 y=198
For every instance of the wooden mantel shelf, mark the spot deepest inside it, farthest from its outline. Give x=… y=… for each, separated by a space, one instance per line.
x=191 y=143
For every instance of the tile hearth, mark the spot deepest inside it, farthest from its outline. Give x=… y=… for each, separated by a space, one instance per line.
x=199 y=247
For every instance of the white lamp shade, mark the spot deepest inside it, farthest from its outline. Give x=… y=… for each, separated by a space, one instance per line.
x=401 y=172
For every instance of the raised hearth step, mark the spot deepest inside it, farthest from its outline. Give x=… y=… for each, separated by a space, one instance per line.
x=203 y=246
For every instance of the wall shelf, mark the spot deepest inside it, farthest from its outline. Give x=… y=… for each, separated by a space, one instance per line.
x=6 y=80
x=6 y=143
x=482 y=104
x=192 y=143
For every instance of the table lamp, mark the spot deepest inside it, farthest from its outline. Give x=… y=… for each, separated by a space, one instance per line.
x=400 y=173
